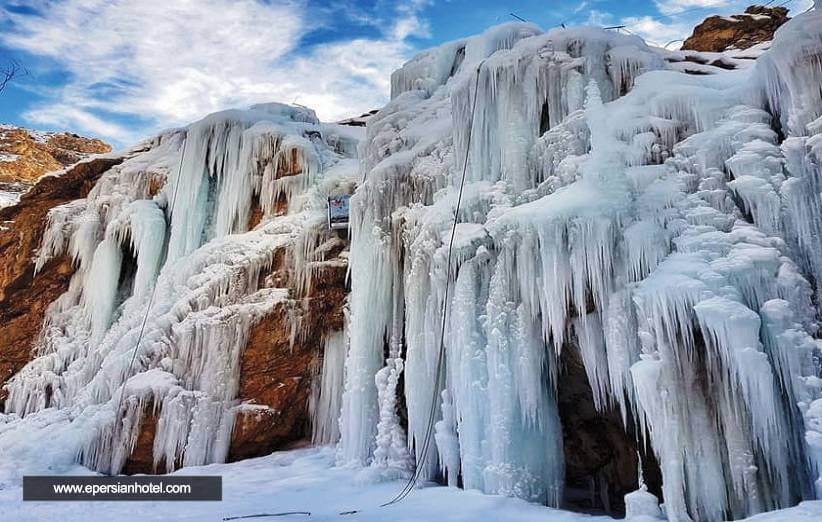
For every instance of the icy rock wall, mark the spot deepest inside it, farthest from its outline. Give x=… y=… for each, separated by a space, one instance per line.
x=653 y=220
x=164 y=254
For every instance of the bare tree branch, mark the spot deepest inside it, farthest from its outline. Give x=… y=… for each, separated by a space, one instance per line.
x=11 y=70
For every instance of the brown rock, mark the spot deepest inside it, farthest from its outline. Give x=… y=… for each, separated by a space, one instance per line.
x=69 y=148
x=29 y=155
x=276 y=377
x=23 y=297
x=719 y=33
x=141 y=459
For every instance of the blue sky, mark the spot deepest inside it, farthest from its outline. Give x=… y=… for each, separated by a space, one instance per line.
x=124 y=69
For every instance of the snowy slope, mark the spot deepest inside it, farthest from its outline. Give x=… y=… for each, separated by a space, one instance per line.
x=300 y=480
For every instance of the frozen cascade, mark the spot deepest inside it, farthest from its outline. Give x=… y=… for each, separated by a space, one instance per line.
x=186 y=261
x=662 y=224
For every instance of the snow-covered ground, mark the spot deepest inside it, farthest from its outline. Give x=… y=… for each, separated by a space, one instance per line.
x=297 y=480
x=305 y=480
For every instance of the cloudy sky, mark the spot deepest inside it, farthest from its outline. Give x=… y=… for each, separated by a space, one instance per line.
x=123 y=69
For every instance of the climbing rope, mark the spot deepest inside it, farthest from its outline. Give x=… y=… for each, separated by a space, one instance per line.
x=154 y=289
x=264 y=515
x=409 y=486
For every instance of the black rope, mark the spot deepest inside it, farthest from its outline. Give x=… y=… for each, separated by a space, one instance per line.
x=154 y=289
x=264 y=515
x=409 y=486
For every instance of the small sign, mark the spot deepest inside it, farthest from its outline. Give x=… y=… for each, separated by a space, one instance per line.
x=338 y=211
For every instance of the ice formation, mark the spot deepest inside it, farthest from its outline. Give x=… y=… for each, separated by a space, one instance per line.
x=167 y=252
x=659 y=217
x=327 y=393
x=658 y=212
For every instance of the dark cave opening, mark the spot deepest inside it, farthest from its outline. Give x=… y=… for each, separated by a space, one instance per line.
x=128 y=270
x=544 y=118
x=600 y=454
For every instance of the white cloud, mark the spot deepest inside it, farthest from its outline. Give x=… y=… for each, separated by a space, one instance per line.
x=409 y=23
x=173 y=61
x=654 y=30
x=659 y=32
x=70 y=117
x=668 y=7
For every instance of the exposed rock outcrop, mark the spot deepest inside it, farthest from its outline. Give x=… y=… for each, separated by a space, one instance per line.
x=26 y=155
x=276 y=369
x=275 y=379
x=741 y=31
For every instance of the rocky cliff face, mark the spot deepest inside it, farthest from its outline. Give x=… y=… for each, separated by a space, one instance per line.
x=23 y=297
x=721 y=33
x=277 y=371
x=278 y=368
x=623 y=271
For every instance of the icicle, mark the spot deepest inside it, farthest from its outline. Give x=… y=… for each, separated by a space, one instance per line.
x=390 y=450
x=445 y=434
x=326 y=411
x=594 y=357
x=101 y=286
x=370 y=311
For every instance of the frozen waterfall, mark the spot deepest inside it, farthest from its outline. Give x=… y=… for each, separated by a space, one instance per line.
x=166 y=244
x=663 y=224
x=654 y=215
